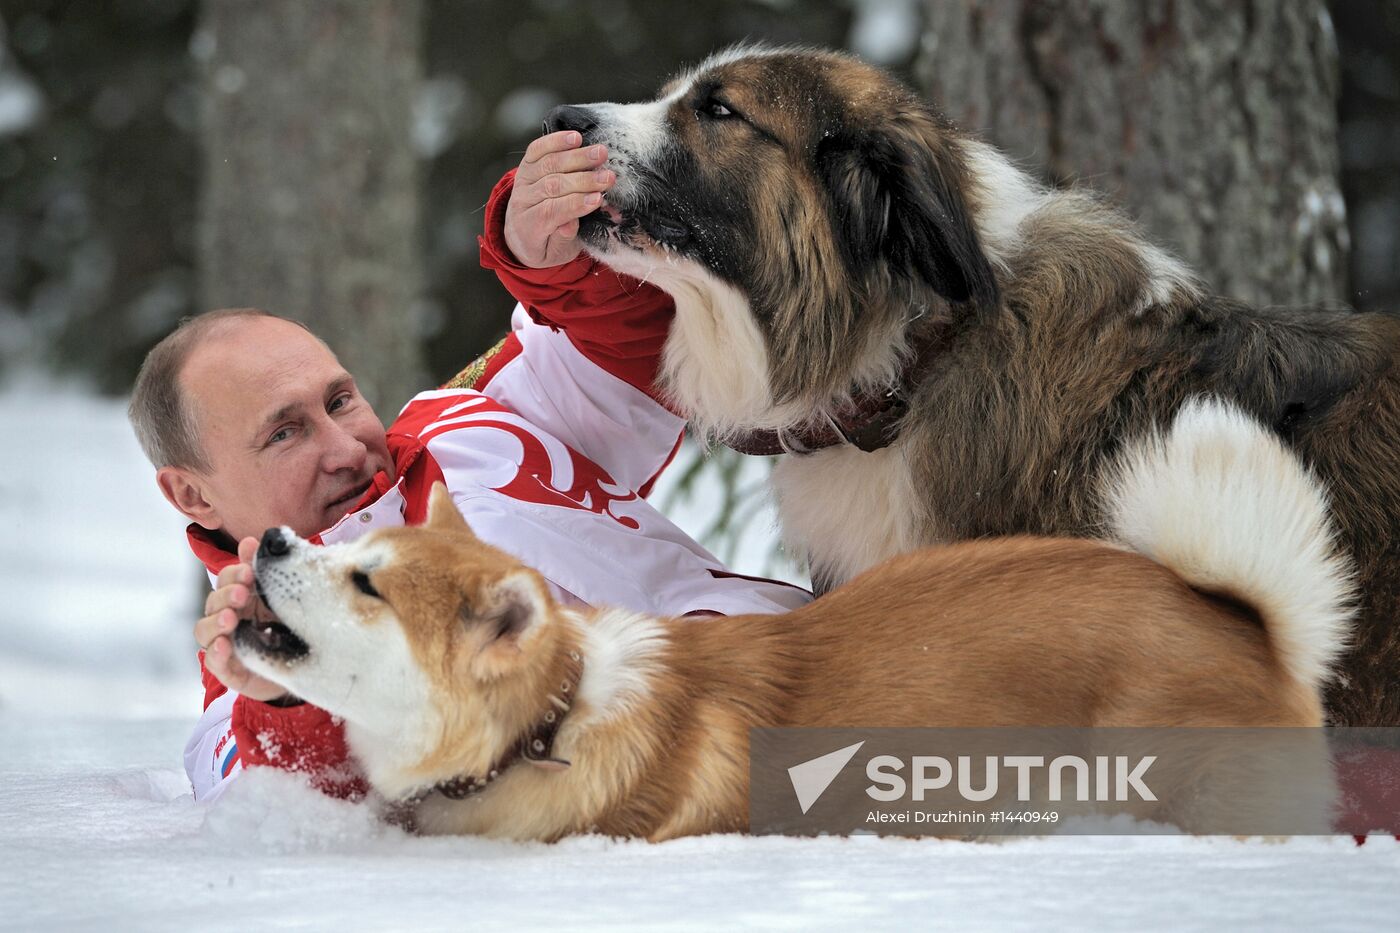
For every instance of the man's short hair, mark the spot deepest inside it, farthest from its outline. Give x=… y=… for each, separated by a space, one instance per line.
x=163 y=417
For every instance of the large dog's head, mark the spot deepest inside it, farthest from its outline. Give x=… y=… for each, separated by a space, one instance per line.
x=805 y=192
x=434 y=645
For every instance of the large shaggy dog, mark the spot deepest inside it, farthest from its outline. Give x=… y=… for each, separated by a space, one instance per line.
x=954 y=350
x=481 y=706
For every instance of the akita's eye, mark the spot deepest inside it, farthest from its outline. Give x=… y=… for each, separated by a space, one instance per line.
x=361 y=581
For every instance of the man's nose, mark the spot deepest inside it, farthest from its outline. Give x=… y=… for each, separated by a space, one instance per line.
x=344 y=451
x=570 y=117
x=273 y=544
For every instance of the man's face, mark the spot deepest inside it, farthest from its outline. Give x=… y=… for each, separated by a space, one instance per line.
x=288 y=437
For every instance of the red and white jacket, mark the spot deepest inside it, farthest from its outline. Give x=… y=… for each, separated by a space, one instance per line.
x=549 y=444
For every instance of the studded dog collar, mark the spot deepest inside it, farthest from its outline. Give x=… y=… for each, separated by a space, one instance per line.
x=535 y=747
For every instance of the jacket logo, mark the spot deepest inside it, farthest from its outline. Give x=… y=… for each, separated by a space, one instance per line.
x=591 y=489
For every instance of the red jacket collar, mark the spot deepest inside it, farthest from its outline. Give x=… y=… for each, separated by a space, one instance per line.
x=216 y=551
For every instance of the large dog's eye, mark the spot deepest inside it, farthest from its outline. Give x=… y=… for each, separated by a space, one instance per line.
x=715 y=109
x=361 y=581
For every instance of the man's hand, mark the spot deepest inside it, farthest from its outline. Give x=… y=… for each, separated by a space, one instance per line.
x=556 y=184
x=232 y=595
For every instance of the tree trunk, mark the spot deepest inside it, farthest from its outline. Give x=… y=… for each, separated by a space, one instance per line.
x=310 y=199
x=1211 y=121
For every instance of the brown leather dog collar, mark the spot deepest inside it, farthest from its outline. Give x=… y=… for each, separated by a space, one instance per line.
x=870 y=422
x=535 y=747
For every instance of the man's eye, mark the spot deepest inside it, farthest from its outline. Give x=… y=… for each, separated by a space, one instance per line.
x=279 y=435
x=339 y=402
x=361 y=581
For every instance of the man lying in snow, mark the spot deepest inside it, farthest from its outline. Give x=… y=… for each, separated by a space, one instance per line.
x=548 y=444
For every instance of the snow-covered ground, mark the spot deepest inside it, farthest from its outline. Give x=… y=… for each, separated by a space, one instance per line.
x=97 y=590
x=97 y=829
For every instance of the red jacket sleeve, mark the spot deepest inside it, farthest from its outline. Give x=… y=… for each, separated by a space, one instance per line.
x=297 y=738
x=302 y=738
x=619 y=323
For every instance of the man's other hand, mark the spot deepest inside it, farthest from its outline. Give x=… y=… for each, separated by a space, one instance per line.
x=556 y=184
x=233 y=597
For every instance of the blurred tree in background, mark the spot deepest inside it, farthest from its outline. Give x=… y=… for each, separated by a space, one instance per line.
x=310 y=200
x=1368 y=32
x=98 y=172
x=1212 y=121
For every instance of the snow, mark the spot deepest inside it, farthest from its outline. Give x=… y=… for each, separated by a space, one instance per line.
x=443 y=106
x=100 y=591
x=21 y=103
x=97 y=828
x=885 y=32
x=524 y=109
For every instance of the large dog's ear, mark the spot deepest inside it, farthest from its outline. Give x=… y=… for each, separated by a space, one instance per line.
x=896 y=194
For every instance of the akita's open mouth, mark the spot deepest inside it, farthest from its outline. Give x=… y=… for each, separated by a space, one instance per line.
x=270 y=639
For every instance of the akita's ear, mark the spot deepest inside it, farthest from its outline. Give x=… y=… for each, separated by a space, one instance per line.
x=510 y=613
x=443 y=514
x=896 y=194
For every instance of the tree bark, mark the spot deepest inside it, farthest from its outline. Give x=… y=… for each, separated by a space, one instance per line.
x=310 y=199
x=1211 y=121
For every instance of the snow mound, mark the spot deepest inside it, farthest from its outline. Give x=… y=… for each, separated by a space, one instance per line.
x=160 y=785
x=268 y=811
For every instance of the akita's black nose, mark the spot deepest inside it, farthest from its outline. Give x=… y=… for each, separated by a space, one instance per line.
x=274 y=544
x=570 y=117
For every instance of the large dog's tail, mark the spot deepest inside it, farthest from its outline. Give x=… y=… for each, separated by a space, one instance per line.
x=1222 y=502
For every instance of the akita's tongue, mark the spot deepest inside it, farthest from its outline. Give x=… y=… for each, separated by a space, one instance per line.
x=273 y=638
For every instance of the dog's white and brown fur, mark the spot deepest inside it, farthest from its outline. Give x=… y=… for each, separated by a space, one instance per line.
x=440 y=652
x=817 y=223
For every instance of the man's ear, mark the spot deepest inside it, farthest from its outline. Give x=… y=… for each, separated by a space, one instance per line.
x=896 y=195
x=183 y=490
x=510 y=615
x=443 y=514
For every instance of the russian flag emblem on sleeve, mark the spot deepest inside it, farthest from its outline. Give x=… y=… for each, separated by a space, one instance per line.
x=228 y=749
x=230 y=759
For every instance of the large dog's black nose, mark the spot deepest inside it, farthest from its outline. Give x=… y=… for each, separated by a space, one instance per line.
x=274 y=544
x=570 y=117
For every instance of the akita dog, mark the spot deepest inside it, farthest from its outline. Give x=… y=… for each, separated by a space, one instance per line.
x=471 y=696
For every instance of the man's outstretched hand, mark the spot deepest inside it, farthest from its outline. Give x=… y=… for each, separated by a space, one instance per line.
x=232 y=598
x=557 y=183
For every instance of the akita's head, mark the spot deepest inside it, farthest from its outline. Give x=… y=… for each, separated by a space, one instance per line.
x=437 y=648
